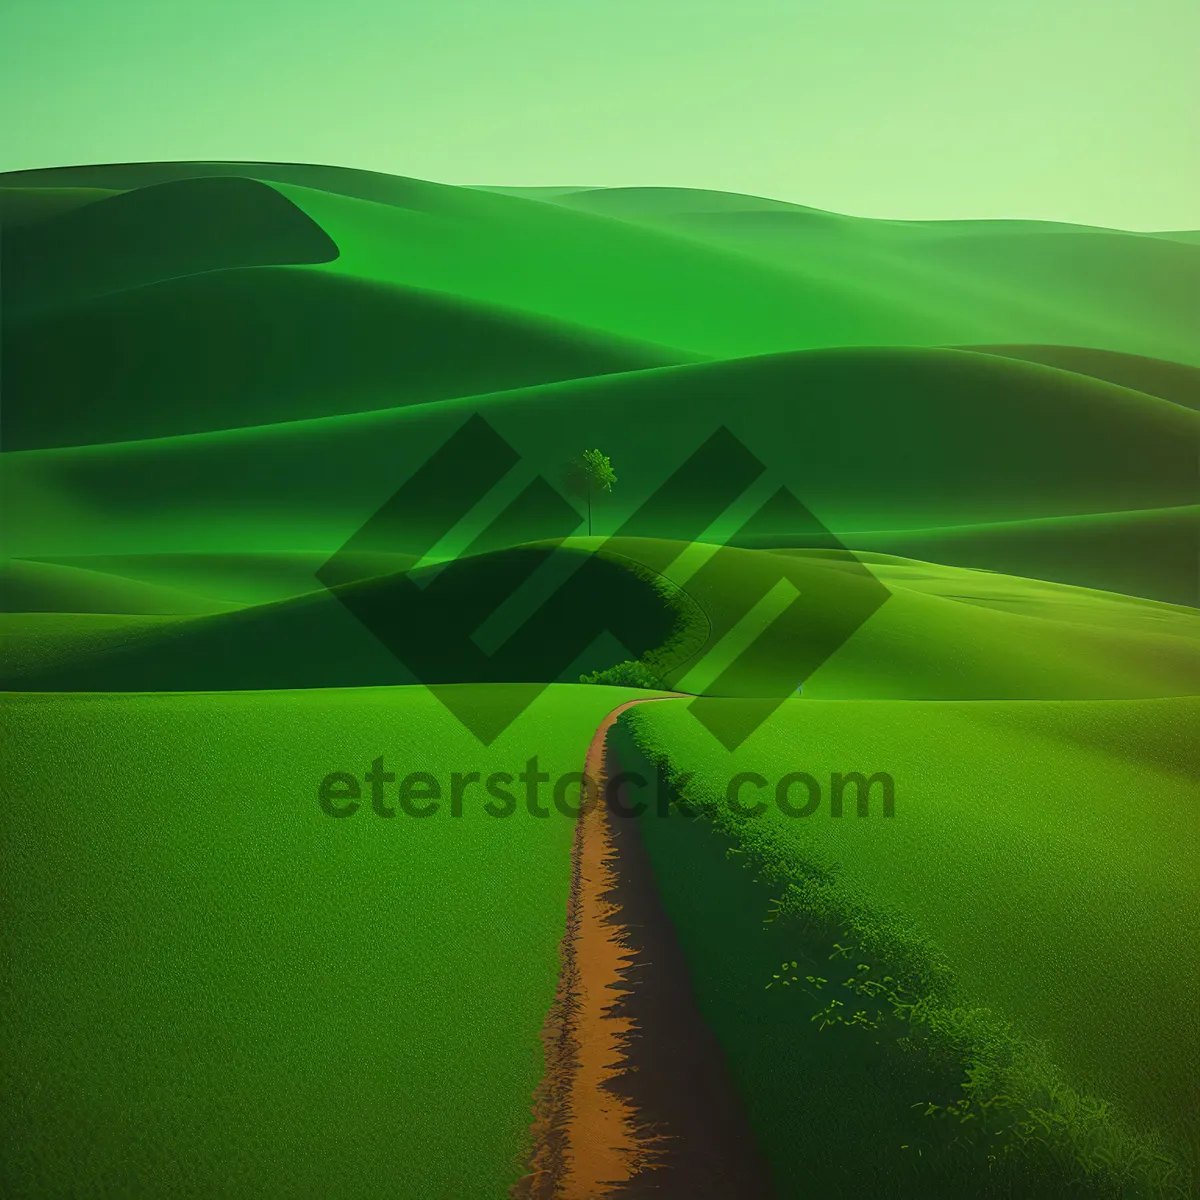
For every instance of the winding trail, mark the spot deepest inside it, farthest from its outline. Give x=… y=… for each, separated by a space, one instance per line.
x=635 y=1101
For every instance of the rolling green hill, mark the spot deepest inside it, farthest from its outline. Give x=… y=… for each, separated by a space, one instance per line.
x=236 y=578
x=256 y=647
x=151 y=234
x=271 y=344
x=191 y=289
x=1100 y=287
x=27 y=587
x=629 y=267
x=1171 y=381
x=940 y=633
x=939 y=475
x=932 y=439
x=1152 y=552
x=26 y=205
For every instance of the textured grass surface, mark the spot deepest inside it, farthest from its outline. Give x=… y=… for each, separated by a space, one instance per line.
x=689 y=610
x=153 y=234
x=1150 y=552
x=215 y=373
x=233 y=578
x=930 y=438
x=950 y=633
x=1172 y=381
x=214 y=988
x=197 y=288
x=942 y=633
x=724 y=275
x=293 y=344
x=598 y=609
x=1077 y=280
x=27 y=587
x=328 y=310
x=1040 y=856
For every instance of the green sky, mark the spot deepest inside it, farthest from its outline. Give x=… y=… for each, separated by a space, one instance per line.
x=1078 y=110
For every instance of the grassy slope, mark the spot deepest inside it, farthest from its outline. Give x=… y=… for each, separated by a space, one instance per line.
x=1172 y=381
x=603 y=594
x=849 y=281
x=272 y=344
x=1082 y=932
x=930 y=437
x=48 y=587
x=27 y=205
x=109 y=308
x=156 y=233
x=1148 y=553
x=1153 y=553
x=38 y=642
x=628 y=281
x=213 y=987
x=512 y=252
x=941 y=633
x=929 y=446
x=235 y=578
x=1096 y=287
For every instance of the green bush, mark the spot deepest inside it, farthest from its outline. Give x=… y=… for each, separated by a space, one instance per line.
x=626 y=674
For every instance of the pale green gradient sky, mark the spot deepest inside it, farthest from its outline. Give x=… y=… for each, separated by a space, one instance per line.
x=1077 y=110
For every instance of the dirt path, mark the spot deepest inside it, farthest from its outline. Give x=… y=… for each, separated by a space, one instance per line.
x=636 y=1101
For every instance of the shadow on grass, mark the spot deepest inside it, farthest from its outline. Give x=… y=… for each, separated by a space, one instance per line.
x=858 y=1074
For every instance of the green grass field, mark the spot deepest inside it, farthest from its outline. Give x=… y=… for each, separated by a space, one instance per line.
x=688 y=608
x=1033 y=443
x=214 y=987
x=943 y=474
x=1040 y=854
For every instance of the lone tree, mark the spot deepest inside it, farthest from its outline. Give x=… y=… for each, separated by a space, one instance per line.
x=590 y=473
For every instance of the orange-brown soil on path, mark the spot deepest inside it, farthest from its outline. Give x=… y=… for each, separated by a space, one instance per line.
x=586 y=1136
x=624 y=1012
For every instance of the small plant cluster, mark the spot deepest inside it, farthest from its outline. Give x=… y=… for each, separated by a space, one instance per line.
x=835 y=1011
x=1010 y=1102
x=998 y=1119
x=626 y=674
x=996 y=1101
